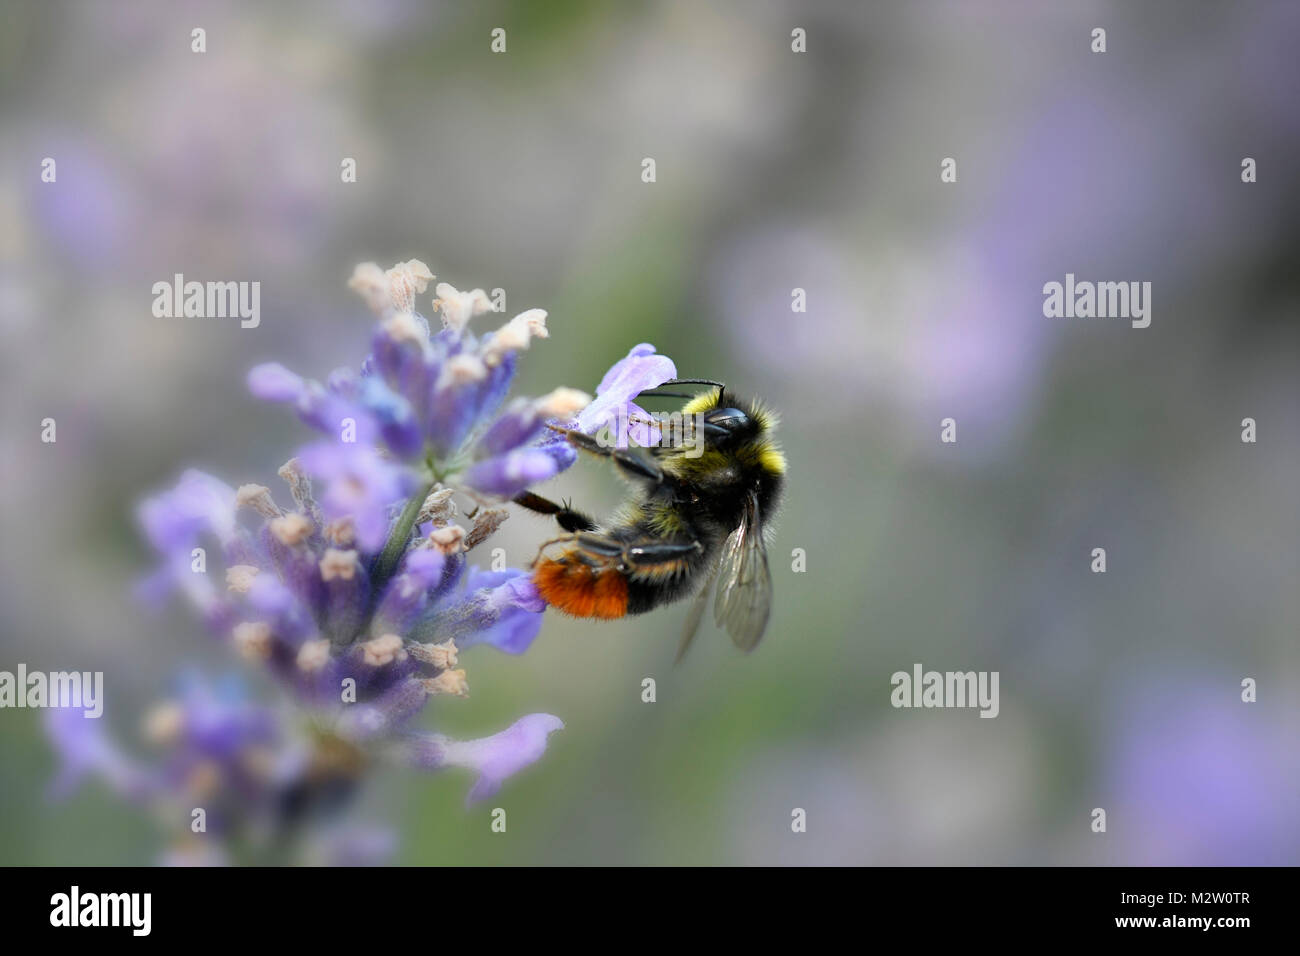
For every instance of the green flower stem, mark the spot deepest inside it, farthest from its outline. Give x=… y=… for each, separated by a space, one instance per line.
x=398 y=538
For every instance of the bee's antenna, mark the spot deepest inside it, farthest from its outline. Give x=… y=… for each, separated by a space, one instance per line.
x=698 y=381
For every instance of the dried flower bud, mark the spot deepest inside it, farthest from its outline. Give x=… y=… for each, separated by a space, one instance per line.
x=336 y=564
x=257 y=497
x=340 y=532
x=562 y=403
x=164 y=723
x=440 y=656
x=370 y=281
x=486 y=522
x=406 y=280
x=253 y=640
x=239 y=577
x=291 y=529
x=448 y=682
x=313 y=655
x=449 y=540
x=384 y=650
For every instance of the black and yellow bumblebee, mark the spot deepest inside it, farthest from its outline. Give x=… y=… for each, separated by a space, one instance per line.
x=702 y=506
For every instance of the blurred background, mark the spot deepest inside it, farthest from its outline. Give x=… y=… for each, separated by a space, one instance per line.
x=775 y=170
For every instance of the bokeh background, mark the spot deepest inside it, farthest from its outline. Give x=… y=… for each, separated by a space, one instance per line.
x=776 y=170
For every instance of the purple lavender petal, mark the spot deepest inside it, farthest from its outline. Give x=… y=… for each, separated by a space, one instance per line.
x=329 y=412
x=523 y=593
x=344 y=383
x=559 y=448
x=272 y=382
x=391 y=359
x=361 y=485
x=515 y=427
x=406 y=595
x=388 y=712
x=644 y=433
x=511 y=473
x=501 y=608
x=176 y=573
x=496 y=758
x=451 y=416
x=640 y=371
x=298 y=568
x=85 y=749
x=494 y=390
x=452 y=570
x=346 y=600
x=290 y=621
x=397 y=424
x=199 y=503
x=513 y=633
x=220 y=722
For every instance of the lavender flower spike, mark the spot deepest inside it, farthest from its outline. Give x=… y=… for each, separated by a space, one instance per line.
x=360 y=599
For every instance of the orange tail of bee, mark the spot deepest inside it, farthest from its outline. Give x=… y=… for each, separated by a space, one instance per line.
x=579 y=590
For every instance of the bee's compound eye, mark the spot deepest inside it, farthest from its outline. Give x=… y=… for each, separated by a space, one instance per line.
x=729 y=419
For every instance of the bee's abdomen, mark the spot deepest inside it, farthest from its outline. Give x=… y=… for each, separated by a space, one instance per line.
x=580 y=590
x=659 y=584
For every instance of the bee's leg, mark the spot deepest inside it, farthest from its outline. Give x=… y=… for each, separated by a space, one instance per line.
x=627 y=461
x=650 y=553
x=566 y=517
x=599 y=551
x=637 y=466
x=596 y=551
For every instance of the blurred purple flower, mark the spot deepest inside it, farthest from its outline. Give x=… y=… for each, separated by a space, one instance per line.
x=85 y=211
x=259 y=772
x=86 y=750
x=198 y=504
x=495 y=758
x=1198 y=777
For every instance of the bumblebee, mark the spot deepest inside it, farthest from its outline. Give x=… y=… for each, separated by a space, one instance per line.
x=698 y=515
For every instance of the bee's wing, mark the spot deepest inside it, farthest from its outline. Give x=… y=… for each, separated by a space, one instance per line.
x=696 y=613
x=745 y=587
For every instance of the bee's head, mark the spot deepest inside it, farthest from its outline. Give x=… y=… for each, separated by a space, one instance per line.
x=733 y=426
